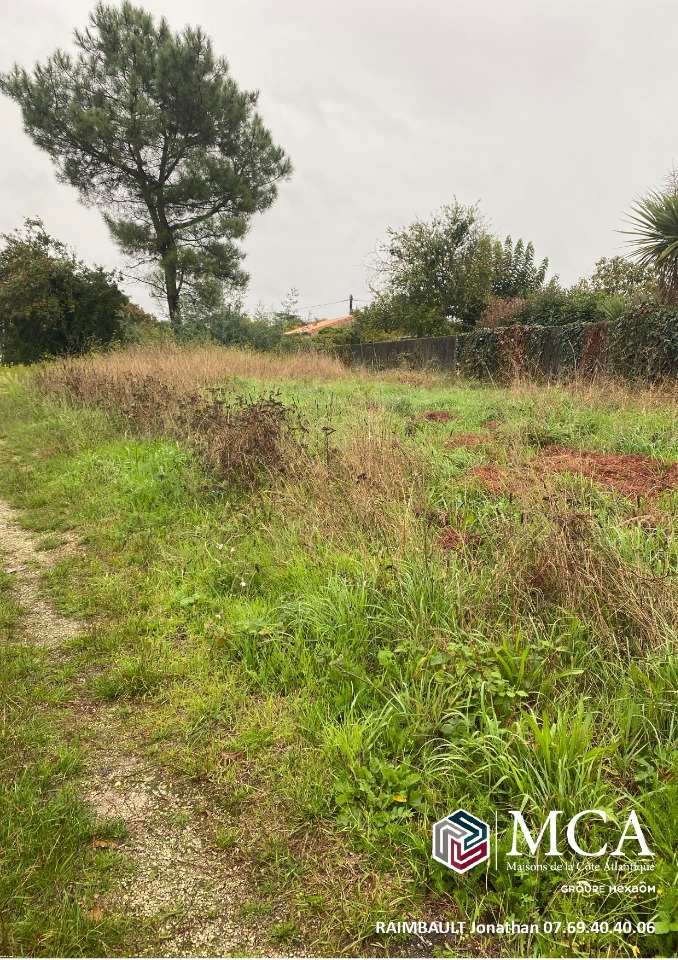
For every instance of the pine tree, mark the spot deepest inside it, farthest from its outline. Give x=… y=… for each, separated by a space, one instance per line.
x=150 y=127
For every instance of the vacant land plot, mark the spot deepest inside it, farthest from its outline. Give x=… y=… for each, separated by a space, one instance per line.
x=328 y=609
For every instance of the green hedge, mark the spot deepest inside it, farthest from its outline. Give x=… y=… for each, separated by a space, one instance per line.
x=642 y=346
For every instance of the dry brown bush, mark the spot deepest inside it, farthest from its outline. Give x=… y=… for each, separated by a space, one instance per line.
x=500 y=312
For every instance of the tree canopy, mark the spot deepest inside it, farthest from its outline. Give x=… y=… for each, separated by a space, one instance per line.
x=619 y=276
x=434 y=275
x=150 y=127
x=439 y=275
x=515 y=272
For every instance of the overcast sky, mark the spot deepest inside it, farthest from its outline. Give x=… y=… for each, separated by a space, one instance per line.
x=554 y=114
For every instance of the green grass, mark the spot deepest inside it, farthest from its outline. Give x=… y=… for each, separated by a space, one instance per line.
x=309 y=647
x=50 y=876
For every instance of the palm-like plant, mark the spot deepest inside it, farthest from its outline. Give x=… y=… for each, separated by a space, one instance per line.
x=655 y=228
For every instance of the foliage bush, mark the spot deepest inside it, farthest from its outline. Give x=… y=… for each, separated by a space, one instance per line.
x=51 y=304
x=435 y=273
x=140 y=328
x=555 y=305
x=230 y=326
x=619 y=276
x=225 y=321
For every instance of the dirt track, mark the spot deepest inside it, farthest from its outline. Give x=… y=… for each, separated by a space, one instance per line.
x=176 y=872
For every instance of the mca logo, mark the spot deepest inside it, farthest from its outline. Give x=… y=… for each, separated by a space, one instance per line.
x=461 y=841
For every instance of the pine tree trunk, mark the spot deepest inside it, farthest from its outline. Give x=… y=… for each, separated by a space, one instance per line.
x=172 y=289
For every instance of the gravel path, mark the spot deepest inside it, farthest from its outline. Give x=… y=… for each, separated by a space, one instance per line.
x=176 y=872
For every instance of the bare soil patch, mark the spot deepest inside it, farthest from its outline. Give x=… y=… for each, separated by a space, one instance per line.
x=632 y=475
x=451 y=539
x=497 y=479
x=41 y=622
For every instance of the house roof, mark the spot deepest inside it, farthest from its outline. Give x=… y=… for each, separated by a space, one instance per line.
x=311 y=328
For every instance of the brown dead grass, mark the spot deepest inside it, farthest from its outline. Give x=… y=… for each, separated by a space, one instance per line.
x=183 y=394
x=562 y=557
x=237 y=438
x=603 y=394
x=469 y=440
x=437 y=416
x=186 y=368
x=355 y=493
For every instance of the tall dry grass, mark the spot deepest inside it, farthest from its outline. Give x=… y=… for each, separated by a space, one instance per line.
x=185 y=368
x=191 y=367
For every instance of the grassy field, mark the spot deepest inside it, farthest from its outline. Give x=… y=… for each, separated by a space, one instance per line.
x=352 y=604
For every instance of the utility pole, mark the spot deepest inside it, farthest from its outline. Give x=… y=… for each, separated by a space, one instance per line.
x=350 y=303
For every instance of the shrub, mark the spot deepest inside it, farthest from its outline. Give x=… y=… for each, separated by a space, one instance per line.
x=142 y=328
x=435 y=273
x=233 y=328
x=228 y=324
x=555 y=305
x=51 y=304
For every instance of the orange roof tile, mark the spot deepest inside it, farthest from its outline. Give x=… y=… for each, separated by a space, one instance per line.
x=311 y=328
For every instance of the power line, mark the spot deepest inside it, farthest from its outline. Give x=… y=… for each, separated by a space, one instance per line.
x=316 y=305
x=331 y=303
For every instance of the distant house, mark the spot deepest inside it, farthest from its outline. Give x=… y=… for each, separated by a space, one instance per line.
x=310 y=329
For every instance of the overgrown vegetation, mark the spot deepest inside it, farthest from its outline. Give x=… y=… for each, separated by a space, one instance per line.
x=438 y=276
x=451 y=275
x=377 y=626
x=51 y=304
